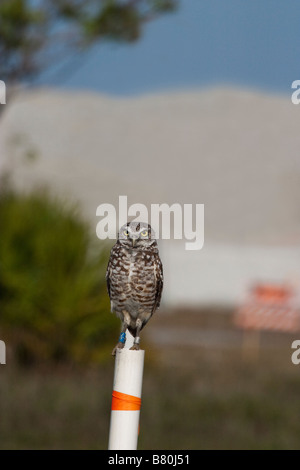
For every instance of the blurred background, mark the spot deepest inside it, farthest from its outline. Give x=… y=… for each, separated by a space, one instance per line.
x=163 y=101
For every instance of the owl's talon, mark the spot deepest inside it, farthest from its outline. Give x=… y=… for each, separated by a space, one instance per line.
x=119 y=345
x=135 y=347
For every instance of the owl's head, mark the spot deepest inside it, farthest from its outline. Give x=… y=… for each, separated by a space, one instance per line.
x=136 y=235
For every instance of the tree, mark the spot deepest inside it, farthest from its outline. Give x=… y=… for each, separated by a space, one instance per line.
x=31 y=31
x=53 y=298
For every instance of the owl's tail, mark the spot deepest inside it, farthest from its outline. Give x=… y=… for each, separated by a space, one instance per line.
x=132 y=331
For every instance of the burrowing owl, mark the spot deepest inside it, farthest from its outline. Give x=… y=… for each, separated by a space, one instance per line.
x=134 y=279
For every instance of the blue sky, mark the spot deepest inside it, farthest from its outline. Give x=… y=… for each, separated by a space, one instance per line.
x=253 y=44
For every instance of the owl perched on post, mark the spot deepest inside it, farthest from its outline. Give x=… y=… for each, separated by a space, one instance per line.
x=134 y=279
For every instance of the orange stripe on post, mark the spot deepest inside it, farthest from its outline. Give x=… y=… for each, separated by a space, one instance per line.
x=122 y=401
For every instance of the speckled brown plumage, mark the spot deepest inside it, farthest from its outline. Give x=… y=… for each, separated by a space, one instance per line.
x=134 y=278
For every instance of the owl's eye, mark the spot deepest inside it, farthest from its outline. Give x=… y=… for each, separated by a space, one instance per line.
x=126 y=233
x=144 y=233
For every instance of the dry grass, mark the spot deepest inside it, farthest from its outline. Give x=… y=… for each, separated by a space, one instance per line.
x=204 y=397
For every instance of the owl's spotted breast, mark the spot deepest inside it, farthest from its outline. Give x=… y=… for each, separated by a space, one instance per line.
x=133 y=281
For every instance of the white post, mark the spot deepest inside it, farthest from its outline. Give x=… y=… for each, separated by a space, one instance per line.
x=126 y=400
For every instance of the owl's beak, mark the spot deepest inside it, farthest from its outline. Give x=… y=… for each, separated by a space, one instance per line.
x=133 y=242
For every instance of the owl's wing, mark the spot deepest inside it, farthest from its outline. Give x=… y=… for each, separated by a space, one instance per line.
x=159 y=279
x=109 y=271
x=107 y=277
x=108 y=282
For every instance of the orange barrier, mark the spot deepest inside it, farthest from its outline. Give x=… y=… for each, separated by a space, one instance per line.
x=269 y=307
x=262 y=318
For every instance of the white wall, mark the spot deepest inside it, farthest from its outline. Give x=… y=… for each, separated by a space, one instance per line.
x=220 y=274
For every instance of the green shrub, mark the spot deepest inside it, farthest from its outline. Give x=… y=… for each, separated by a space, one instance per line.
x=53 y=299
